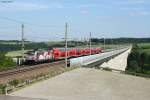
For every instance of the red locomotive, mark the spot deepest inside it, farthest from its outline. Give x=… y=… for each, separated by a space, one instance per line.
x=58 y=53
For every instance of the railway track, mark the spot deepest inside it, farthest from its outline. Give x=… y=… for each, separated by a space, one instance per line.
x=24 y=69
x=30 y=68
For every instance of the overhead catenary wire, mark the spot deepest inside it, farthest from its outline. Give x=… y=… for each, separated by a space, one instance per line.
x=28 y=29
x=27 y=23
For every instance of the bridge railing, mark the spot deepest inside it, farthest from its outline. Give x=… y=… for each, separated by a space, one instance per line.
x=127 y=72
x=136 y=74
x=88 y=60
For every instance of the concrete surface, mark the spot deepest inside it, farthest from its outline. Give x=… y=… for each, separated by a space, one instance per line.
x=118 y=63
x=89 y=84
x=86 y=60
x=17 y=98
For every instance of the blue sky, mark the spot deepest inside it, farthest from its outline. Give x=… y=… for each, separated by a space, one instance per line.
x=45 y=19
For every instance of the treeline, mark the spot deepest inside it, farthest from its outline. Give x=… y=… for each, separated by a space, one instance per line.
x=34 y=45
x=121 y=40
x=14 y=47
x=5 y=62
x=138 y=61
x=13 y=41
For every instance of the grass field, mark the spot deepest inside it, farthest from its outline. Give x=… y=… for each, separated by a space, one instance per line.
x=145 y=47
x=108 y=46
x=19 y=53
x=146 y=51
x=15 y=53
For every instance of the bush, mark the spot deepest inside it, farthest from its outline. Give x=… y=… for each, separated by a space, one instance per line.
x=2 y=89
x=14 y=82
x=107 y=69
x=138 y=61
x=5 y=62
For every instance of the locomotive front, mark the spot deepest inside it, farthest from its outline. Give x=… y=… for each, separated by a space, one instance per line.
x=39 y=56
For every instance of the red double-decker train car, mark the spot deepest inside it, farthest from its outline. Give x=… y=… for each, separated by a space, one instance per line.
x=59 y=53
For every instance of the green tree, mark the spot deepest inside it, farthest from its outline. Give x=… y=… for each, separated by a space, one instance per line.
x=5 y=62
x=143 y=60
x=138 y=61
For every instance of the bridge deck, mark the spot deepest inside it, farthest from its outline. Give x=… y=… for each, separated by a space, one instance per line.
x=17 y=98
x=117 y=63
x=89 y=84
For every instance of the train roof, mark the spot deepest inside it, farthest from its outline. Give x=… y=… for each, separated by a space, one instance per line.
x=63 y=49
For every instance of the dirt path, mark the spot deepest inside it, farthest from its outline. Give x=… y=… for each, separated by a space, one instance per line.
x=33 y=73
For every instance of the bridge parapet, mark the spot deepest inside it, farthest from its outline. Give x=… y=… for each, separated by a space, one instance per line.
x=94 y=60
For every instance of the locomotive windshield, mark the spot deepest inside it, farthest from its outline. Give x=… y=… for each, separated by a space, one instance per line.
x=31 y=52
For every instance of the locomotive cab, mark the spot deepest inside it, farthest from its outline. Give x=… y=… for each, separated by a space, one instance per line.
x=31 y=56
x=39 y=55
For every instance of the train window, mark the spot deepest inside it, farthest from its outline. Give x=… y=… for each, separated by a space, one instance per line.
x=36 y=53
x=40 y=53
x=57 y=54
x=31 y=52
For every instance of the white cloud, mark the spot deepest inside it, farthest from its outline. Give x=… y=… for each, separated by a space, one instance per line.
x=22 y=6
x=132 y=8
x=86 y=5
x=140 y=13
x=138 y=1
x=135 y=7
x=84 y=12
x=82 y=8
x=56 y=5
x=132 y=2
